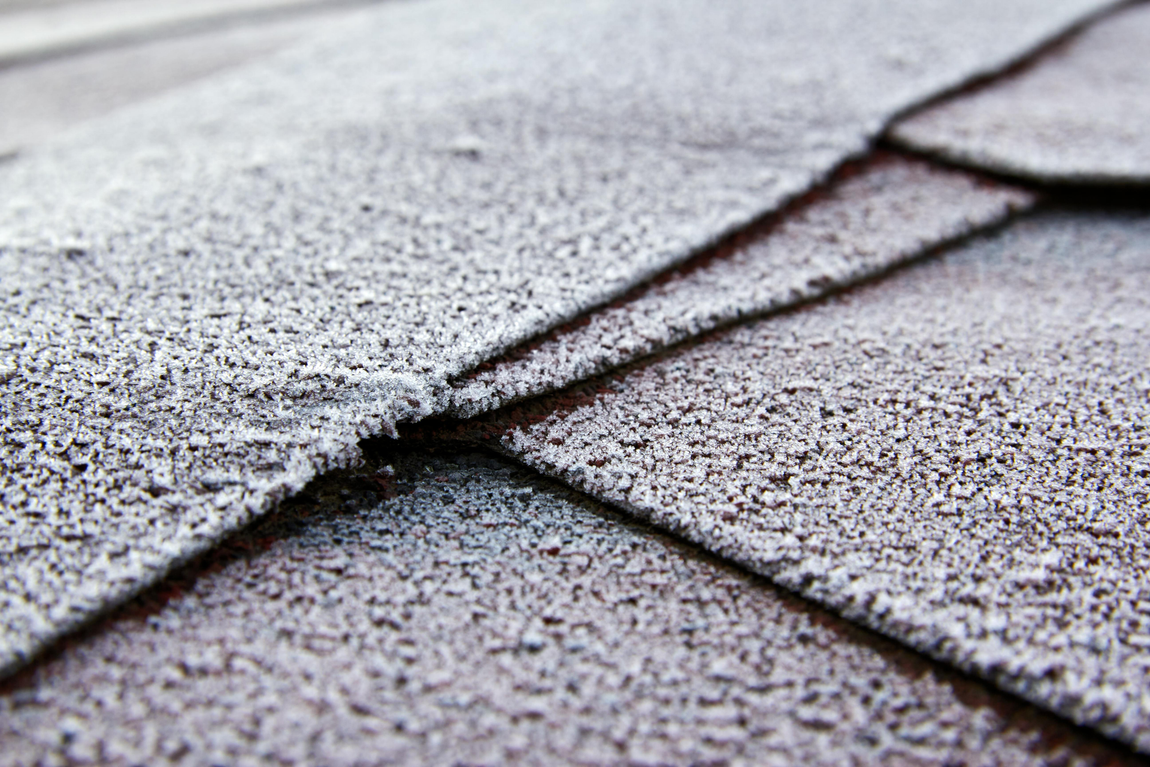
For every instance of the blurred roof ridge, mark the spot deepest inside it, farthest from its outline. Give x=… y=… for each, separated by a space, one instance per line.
x=34 y=31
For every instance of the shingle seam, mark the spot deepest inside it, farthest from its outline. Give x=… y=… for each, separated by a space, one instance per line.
x=491 y=431
x=1068 y=116
x=337 y=444
x=467 y=396
x=348 y=454
x=1018 y=65
x=251 y=542
x=1088 y=189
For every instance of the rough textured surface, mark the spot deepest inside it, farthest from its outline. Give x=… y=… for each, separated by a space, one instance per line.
x=210 y=298
x=874 y=216
x=485 y=616
x=41 y=100
x=956 y=456
x=1076 y=114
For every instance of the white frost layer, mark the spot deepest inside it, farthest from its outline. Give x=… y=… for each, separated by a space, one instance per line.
x=485 y=616
x=958 y=456
x=209 y=298
x=886 y=213
x=1076 y=115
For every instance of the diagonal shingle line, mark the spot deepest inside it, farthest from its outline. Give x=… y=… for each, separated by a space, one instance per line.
x=1068 y=116
x=1046 y=197
x=487 y=432
x=442 y=429
x=268 y=496
x=262 y=535
x=1032 y=60
x=414 y=430
x=708 y=299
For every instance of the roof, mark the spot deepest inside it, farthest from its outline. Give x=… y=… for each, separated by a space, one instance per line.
x=871 y=378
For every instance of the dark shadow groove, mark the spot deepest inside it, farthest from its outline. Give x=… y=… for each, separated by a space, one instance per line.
x=700 y=261
x=1021 y=64
x=1123 y=195
x=343 y=495
x=723 y=248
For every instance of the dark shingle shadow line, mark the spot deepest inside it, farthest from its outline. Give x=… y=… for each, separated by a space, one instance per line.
x=1028 y=60
x=296 y=518
x=1086 y=193
x=445 y=435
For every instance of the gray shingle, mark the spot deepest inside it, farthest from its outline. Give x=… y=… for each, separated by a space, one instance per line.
x=957 y=456
x=43 y=99
x=1077 y=114
x=880 y=214
x=486 y=616
x=209 y=298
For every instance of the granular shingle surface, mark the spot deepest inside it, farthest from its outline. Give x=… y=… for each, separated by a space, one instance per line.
x=1076 y=114
x=957 y=456
x=209 y=298
x=880 y=214
x=483 y=615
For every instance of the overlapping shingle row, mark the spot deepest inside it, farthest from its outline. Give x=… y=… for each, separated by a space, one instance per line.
x=330 y=244
x=211 y=297
x=455 y=609
x=958 y=456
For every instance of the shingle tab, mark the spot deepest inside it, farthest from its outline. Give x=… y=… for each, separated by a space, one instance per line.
x=209 y=298
x=1077 y=114
x=881 y=213
x=484 y=615
x=958 y=456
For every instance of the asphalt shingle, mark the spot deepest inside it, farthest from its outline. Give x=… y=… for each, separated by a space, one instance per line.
x=483 y=615
x=210 y=298
x=877 y=215
x=1077 y=114
x=956 y=456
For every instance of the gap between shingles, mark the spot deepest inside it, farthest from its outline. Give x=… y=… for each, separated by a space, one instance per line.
x=1024 y=62
x=242 y=545
x=1132 y=194
x=447 y=434
x=724 y=247
x=747 y=237
x=449 y=429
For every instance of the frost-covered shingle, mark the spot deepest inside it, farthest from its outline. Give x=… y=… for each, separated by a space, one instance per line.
x=485 y=616
x=209 y=298
x=958 y=456
x=1076 y=114
x=878 y=215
